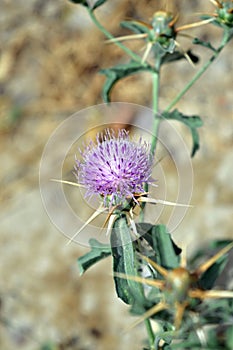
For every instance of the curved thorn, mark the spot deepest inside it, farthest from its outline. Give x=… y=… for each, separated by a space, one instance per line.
x=157 y=267
x=174 y=20
x=180 y=307
x=147 y=52
x=108 y=216
x=112 y=219
x=216 y=3
x=67 y=182
x=185 y=54
x=99 y=211
x=133 y=226
x=160 y=201
x=194 y=25
x=154 y=310
x=210 y=294
x=183 y=258
x=154 y=283
x=127 y=37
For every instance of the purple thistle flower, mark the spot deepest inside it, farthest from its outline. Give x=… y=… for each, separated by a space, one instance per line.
x=115 y=167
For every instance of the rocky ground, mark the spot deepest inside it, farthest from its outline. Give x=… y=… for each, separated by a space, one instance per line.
x=50 y=57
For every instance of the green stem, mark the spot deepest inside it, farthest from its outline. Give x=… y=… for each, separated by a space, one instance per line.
x=225 y=39
x=155 y=107
x=150 y=334
x=156 y=122
x=110 y=36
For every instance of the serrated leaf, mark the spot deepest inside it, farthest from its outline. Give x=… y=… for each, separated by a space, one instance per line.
x=98 y=252
x=204 y=253
x=210 y=276
x=118 y=72
x=208 y=279
x=206 y=44
x=216 y=244
x=85 y=3
x=80 y=2
x=192 y=122
x=98 y=4
x=166 y=251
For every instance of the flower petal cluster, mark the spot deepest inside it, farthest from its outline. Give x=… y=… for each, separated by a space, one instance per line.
x=115 y=167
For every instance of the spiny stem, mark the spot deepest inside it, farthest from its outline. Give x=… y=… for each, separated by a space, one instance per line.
x=225 y=40
x=110 y=36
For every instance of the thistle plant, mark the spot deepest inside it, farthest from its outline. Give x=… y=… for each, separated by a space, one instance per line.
x=117 y=168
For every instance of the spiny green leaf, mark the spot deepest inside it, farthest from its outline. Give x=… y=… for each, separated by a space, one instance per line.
x=208 y=279
x=81 y=2
x=87 y=4
x=121 y=285
x=206 y=44
x=120 y=71
x=124 y=262
x=216 y=244
x=136 y=27
x=166 y=251
x=98 y=252
x=193 y=122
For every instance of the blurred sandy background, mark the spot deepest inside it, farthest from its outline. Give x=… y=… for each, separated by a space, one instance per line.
x=50 y=55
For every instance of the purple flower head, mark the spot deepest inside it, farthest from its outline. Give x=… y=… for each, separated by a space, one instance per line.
x=115 y=167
